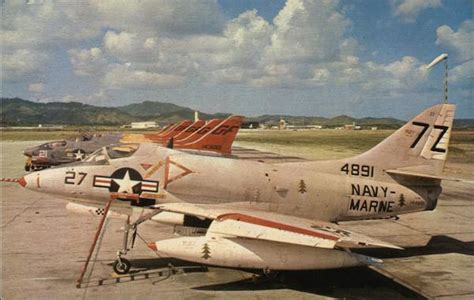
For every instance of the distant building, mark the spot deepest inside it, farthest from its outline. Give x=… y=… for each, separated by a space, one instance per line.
x=352 y=126
x=374 y=128
x=349 y=127
x=196 y=116
x=282 y=124
x=250 y=125
x=143 y=125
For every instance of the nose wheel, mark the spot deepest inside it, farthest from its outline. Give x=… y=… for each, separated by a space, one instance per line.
x=122 y=266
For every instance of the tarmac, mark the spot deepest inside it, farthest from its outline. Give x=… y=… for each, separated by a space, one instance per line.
x=44 y=247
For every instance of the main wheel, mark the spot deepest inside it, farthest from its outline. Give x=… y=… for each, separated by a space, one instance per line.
x=122 y=266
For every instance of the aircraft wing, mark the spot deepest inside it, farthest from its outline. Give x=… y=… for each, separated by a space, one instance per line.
x=260 y=225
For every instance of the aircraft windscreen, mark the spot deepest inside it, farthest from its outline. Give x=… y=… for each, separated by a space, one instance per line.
x=57 y=144
x=121 y=151
x=97 y=156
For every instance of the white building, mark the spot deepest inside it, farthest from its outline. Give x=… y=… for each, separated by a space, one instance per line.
x=143 y=125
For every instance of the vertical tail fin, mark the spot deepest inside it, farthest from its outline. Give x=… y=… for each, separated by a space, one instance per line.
x=189 y=130
x=421 y=145
x=219 y=139
x=196 y=135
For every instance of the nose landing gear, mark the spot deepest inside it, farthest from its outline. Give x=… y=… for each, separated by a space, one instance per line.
x=122 y=265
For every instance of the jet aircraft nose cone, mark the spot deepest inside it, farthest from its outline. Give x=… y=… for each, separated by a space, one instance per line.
x=22 y=181
x=152 y=246
x=28 y=152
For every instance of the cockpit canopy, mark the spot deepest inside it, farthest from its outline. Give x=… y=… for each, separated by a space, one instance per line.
x=104 y=154
x=52 y=145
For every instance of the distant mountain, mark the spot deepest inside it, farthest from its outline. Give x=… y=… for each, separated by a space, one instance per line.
x=19 y=112
x=150 y=108
x=329 y=122
x=164 y=112
x=16 y=111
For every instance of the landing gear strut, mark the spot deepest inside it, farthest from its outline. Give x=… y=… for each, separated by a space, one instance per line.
x=121 y=265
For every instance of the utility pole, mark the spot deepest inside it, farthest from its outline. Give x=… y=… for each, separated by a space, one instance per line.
x=436 y=61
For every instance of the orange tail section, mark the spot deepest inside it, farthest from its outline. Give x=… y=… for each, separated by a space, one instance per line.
x=196 y=135
x=219 y=139
x=171 y=132
x=189 y=130
x=164 y=129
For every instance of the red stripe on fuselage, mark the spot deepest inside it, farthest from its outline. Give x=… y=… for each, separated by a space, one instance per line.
x=276 y=225
x=103 y=180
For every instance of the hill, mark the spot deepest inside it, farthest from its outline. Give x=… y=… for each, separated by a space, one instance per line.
x=16 y=112
x=20 y=112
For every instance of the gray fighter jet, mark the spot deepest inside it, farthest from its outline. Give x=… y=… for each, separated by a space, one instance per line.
x=66 y=151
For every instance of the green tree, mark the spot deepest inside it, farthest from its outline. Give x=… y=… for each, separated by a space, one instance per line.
x=206 y=251
x=302 y=187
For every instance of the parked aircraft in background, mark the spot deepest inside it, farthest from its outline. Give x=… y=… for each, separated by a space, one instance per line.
x=215 y=135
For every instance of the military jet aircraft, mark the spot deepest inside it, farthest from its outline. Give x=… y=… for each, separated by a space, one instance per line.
x=258 y=215
x=186 y=135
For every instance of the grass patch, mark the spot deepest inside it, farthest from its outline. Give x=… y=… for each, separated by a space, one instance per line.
x=332 y=144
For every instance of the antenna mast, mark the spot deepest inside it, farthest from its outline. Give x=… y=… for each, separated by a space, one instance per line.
x=436 y=61
x=446 y=80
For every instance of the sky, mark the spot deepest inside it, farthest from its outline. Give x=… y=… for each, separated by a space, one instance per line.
x=298 y=57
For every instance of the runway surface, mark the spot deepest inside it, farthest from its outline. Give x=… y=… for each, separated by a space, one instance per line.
x=44 y=247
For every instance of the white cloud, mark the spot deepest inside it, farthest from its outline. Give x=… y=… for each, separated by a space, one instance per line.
x=36 y=88
x=87 y=62
x=152 y=44
x=463 y=74
x=161 y=16
x=32 y=30
x=461 y=41
x=123 y=76
x=460 y=45
x=408 y=10
x=21 y=63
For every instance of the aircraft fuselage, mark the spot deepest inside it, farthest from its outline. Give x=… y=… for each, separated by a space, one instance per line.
x=157 y=175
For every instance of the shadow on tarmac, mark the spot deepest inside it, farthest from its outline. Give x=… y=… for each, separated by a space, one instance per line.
x=438 y=244
x=352 y=283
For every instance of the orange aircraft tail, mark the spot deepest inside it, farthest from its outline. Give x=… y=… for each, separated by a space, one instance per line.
x=169 y=133
x=219 y=139
x=189 y=130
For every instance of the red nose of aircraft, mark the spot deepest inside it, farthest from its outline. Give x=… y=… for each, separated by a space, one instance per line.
x=22 y=181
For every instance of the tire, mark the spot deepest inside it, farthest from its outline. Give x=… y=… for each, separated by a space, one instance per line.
x=122 y=268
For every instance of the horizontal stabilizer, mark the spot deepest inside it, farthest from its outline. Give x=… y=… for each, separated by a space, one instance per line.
x=407 y=173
